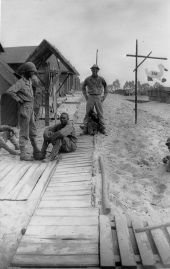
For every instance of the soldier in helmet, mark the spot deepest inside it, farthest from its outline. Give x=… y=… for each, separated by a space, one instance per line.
x=22 y=92
x=166 y=159
x=92 y=90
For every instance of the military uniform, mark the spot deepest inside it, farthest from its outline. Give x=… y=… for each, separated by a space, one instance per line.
x=95 y=87
x=63 y=139
x=22 y=92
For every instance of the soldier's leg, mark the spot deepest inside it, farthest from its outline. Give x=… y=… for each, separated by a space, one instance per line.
x=89 y=106
x=54 y=155
x=24 y=120
x=5 y=146
x=33 y=137
x=14 y=141
x=67 y=145
x=99 y=110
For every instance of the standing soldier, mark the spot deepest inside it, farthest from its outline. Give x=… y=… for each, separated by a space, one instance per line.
x=22 y=92
x=94 y=98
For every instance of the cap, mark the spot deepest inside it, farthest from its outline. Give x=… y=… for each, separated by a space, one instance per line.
x=95 y=66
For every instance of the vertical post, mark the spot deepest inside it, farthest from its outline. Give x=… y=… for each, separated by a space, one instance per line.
x=47 y=117
x=136 y=79
x=96 y=56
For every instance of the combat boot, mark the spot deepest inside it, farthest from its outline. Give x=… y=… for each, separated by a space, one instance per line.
x=43 y=150
x=13 y=140
x=36 y=150
x=24 y=156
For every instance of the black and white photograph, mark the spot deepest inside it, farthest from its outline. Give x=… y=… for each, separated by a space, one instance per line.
x=84 y=134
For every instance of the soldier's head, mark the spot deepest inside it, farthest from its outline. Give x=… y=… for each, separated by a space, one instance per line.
x=95 y=69
x=64 y=117
x=28 y=70
x=168 y=143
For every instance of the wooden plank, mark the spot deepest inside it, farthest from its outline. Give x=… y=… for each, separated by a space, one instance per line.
x=4 y=173
x=61 y=203
x=65 y=221
x=32 y=180
x=13 y=177
x=125 y=246
x=107 y=259
x=27 y=176
x=162 y=245
x=52 y=260
x=37 y=246
x=63 y=232
x=152 y=227
x=74 y=170
x=69 y=179
x=44 y=180
x=66 y=184
x=69 y=188
x=71 y=165
x=143 y=243
x=66 y=212
x=64 y=173
x=68 y=193
x=85 y=197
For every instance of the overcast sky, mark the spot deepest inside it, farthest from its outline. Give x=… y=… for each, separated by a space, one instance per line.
x=79 y=27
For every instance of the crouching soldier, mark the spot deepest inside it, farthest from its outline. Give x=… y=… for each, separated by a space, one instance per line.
x=166 y=159
x=62 y=136
x=8 y=134
x=93 y=126
x=22 y=92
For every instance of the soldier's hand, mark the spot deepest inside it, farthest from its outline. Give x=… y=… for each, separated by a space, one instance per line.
x=11 y=130
x=102 y=98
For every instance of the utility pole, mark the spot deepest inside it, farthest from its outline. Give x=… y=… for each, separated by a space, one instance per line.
x=136 y=71
x=96 y=56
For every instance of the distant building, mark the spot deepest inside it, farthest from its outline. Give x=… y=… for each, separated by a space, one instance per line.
x=161 y=94
x=54 y=70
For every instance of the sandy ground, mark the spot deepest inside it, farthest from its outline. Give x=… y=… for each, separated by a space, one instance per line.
x=138 y=183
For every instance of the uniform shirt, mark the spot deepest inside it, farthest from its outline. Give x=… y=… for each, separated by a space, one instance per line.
x=22 y=90
x=67 y=131
x=95 y=85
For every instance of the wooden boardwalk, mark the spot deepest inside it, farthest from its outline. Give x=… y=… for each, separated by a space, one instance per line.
x=64 y=230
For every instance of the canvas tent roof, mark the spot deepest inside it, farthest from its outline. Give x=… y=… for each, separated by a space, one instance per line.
x=36 y=54
x=17 y=54
x=44 y=51
x=7 y=73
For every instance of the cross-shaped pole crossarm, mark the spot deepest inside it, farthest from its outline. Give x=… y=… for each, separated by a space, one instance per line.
x=143 y=60
x=142 y=56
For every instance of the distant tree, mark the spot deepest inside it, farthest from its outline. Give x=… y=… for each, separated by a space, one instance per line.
x=116 y=85
x=129 y=87
x=157 y=85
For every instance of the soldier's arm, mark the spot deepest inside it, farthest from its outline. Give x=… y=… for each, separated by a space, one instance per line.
x=84 y=89
x=4 y=128
x=105 y=88
x=65 y=131
x=13 y=90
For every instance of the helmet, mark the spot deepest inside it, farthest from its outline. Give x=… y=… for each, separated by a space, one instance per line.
x=168 y=141
x=95 y=66
x=27 y=67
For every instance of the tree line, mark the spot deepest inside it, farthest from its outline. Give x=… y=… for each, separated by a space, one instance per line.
x=129 y=87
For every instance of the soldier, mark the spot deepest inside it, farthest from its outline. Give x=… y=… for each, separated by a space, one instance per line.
x=94 y=98
x=62 y=136
x=22 y=92
x=8 y=134
x=166 y=159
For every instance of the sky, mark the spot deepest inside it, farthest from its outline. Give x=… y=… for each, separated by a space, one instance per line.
x=77 y=28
